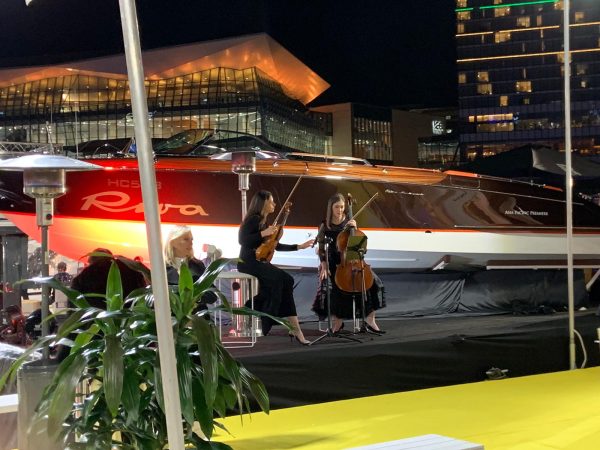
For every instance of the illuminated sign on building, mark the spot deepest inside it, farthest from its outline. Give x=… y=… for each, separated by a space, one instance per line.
x=438 y=127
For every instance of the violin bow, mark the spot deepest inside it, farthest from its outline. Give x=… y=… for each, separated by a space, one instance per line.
x=287 y=200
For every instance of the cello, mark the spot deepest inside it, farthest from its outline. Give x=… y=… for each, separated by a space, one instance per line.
x=266 y=250
x=352 y=274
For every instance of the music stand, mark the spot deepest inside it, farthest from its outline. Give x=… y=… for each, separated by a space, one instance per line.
x=329 y=332
x=356 y=249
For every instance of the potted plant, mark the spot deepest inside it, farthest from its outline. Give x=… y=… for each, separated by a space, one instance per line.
x=115 y=355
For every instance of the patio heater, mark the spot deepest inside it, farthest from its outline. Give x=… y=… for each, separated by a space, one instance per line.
x=243 y=163
x=44 y=180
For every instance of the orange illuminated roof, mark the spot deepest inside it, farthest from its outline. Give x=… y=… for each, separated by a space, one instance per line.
x=256 y=50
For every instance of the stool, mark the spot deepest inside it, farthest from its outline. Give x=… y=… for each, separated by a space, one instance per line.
x=243 y=330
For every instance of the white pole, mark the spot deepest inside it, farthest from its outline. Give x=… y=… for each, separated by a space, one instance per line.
x=76 y=137
x=569 y=182
x=135 y=70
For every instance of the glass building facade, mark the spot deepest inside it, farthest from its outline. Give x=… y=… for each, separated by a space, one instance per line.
x=372 y=133
x=88 y=105
x=511 y=75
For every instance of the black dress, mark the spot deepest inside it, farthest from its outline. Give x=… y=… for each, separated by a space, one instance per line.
x=275 y=286
x=197 y=268
x=341 y=301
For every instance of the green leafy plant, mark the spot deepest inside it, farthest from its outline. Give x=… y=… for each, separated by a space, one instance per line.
x=115 y=355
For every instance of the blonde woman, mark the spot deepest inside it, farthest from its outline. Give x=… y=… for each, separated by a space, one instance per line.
x=179 y=248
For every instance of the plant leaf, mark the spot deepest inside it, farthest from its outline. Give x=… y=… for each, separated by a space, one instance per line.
x=113 y=373
x=205 y=339
x=158 y=387
x=203 y=413
x=257 y=388
x=131 y=393
x=184 y=374
x=63 y=393
x=208 y=278
x=114 y=288
x=186 y=290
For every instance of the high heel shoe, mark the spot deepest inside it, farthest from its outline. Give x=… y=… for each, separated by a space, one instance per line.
x=293 y=336
x=373 y=330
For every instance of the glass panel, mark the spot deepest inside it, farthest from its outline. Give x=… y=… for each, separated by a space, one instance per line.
x=501 y=36
x=523 y=86
x=484 y=88
x=483 y=76
x=501 y=12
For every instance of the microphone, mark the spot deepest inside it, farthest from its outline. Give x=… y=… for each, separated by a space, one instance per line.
x=319 y=234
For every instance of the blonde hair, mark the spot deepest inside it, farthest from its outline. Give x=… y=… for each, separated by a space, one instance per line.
x=175 y=232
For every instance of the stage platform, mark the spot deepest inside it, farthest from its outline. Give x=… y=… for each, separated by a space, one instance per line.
x=557 y=411
x=415 y=353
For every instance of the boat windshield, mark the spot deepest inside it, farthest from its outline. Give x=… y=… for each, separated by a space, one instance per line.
x=182 y=143
x=202 y=142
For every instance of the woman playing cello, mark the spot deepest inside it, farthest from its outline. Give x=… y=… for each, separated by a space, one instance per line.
x=341 y=302
x=276 y=286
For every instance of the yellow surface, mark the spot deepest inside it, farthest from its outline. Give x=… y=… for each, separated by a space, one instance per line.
x=552 y=411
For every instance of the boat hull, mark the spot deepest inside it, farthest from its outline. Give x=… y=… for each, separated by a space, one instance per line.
x=418 y=219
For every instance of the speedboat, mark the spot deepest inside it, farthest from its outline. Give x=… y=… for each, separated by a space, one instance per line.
x=419 y=219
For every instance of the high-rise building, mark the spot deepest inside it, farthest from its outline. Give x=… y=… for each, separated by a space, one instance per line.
x=511 y=75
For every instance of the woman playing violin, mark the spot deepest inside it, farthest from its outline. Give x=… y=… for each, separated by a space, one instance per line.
x=276 y=286
x=341 y=302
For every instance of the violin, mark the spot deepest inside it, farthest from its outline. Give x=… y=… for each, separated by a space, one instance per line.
x=266 y=250
x=352 y=273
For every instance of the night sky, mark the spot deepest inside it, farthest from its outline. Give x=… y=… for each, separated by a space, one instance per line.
x=382 y=52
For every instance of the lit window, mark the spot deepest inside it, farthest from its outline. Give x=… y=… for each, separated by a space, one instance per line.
x=484 y=88
x=501 y=36
x=523 y=86
x=463 y=15
x=462 y=78
x=560 y=57
x=504 y=100
x=559 y=5
x=460 y=28
x=524 y=21
x=584 y=84
x=526 y=101
x=497 y=2
x=581 y=69
x=461 y=3
x=538 y=21
x=495 y=127
x=501 y=12
x=579 y=16
x=483 y=76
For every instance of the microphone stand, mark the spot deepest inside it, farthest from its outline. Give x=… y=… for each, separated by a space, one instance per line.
x=329 y=332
